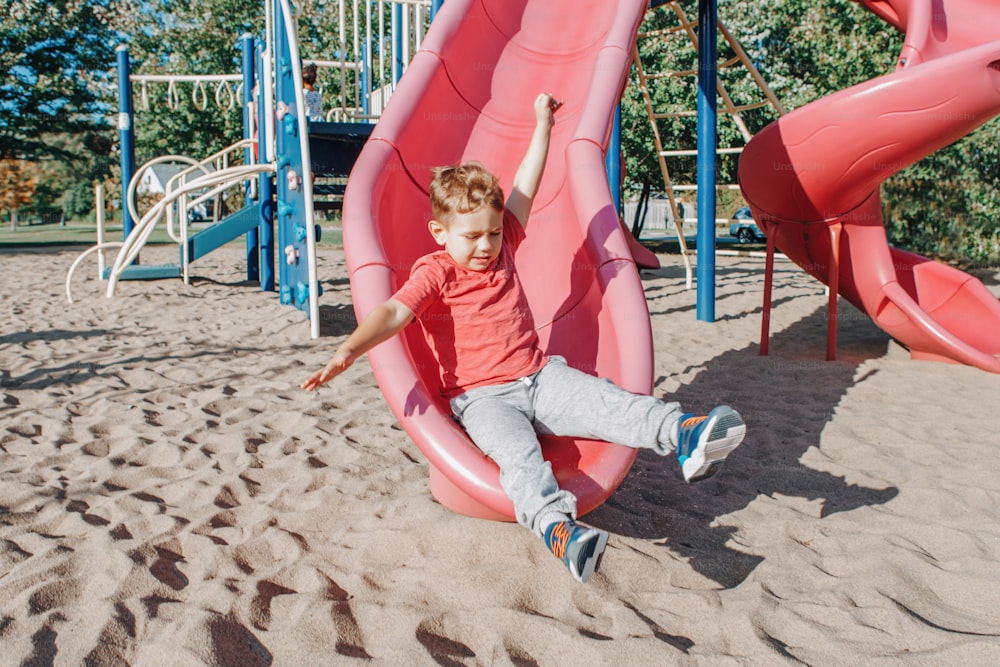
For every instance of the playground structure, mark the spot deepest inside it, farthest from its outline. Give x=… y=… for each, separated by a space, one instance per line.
x=366 y=75
x=278 y=179
x=812 y=180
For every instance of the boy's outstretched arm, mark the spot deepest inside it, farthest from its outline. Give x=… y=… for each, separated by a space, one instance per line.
x=383 y=323
x=529 y=172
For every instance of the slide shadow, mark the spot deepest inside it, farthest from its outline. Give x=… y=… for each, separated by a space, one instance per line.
x=78 y=372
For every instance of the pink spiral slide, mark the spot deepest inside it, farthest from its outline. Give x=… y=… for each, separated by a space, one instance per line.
x=467 y=94
x=812 y=180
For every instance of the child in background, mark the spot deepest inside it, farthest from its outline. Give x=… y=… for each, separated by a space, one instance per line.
x=501 y=386
x=314 y=99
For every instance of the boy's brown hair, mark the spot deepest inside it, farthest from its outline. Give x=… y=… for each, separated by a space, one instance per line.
x=463 y=188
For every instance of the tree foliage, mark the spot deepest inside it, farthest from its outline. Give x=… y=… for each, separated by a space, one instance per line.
x=54 y=72
x=948 y=204
x=54 y=58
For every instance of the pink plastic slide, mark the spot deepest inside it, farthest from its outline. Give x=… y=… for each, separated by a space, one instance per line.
x=812 y=180
x=468 y=94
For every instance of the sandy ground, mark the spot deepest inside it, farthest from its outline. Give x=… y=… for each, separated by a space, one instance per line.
x=169 y=496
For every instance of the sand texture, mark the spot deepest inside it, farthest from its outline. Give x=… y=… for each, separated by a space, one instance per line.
x=169 y=496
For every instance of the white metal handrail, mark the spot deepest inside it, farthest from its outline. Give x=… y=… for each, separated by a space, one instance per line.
x=144 y=228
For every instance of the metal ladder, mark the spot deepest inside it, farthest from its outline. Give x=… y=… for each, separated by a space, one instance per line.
x=669 y=21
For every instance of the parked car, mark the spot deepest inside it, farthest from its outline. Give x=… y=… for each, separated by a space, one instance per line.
x=745 y=229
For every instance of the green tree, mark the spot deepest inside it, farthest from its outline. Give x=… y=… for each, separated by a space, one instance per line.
x=53 y=58
x=948 y=204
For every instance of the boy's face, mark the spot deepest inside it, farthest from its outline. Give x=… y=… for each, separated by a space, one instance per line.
x=472 y=239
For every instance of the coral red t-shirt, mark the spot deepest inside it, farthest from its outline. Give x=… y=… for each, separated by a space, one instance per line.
x=476 y=322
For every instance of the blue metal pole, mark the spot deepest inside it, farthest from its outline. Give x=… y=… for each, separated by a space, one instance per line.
x=707 y=142
x=397 y=43
x=252 y=237
x=366 y=79
x=613 y=159
x=126 y=132
x=435 y=8
x=265 y=189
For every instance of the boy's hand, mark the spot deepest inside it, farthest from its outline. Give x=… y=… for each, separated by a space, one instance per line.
x=385 y=321
x=337 y=365
x=545 y=107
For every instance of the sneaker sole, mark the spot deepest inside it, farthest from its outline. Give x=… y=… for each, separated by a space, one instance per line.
x=595 y=552
x=725 y=432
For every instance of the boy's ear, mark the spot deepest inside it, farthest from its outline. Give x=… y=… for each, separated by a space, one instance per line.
x=437 y=231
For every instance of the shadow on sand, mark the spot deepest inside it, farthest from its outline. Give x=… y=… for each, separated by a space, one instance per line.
x=786 y=399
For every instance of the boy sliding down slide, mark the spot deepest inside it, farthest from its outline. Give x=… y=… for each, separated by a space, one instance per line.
x=502 y=388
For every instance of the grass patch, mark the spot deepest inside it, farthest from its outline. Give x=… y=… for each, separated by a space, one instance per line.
x=85 y=234
x=72 y=233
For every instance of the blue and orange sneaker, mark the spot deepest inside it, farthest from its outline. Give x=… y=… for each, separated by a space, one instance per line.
x=704 y=442
x=579 y=547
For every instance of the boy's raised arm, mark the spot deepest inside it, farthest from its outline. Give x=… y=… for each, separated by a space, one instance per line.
x=529 y=172
x=383 y=323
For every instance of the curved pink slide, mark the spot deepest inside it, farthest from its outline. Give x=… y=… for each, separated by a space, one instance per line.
x=468 y=94
x=812 y=179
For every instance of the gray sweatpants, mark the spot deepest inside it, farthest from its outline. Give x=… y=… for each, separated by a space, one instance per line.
x=503 y=421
